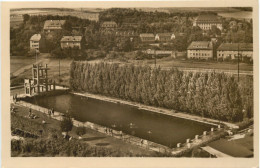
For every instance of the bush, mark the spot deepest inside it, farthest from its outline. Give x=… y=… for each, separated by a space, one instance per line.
x=81 y=131
x=66 y=124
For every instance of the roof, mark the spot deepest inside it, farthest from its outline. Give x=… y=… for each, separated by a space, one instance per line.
x=164 y=34
x=200 y=45
x=147 y=35
x=109 y=23
x=208 y=19
x=53 y=24
x=235 y=46
x=36 y=37
x=71 y=38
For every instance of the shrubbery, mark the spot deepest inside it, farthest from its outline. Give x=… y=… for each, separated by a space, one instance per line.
x=213 y=95
x=66 y=124
x=62 y=147
x=81 y=131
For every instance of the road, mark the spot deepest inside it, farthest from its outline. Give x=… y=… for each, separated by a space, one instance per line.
x=227 y=71
x=233 y=72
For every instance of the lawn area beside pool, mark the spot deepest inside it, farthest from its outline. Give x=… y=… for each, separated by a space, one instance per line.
x=237 y=148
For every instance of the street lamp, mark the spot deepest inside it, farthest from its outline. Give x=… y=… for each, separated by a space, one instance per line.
x=238 y=62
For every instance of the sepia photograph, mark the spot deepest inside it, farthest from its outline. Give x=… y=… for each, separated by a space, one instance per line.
x=117 y=81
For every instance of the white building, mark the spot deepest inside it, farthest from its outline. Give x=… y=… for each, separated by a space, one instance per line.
x=200 y=50
x=205 y=22
x=232 y=50
x=35 y=42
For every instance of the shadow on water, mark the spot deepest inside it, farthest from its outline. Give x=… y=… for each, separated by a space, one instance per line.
x=93 y=138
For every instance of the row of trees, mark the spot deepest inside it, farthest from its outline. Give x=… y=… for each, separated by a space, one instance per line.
x=213 y=95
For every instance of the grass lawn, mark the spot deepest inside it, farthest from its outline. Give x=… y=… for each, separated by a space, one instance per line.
x=237 y=148
x=19 y=62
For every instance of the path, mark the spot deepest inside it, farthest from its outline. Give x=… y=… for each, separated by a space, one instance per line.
x=215 y=152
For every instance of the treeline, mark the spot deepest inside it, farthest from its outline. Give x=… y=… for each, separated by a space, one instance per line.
x=213 y=95
x=134 y=15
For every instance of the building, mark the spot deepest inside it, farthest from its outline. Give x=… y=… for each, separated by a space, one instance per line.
x=164 y=37
x=37 y=42
x=205 y=22
x=160 y=53
x=71 y=42
x=147 y=37
x=200 y=50
x=129 y=25
x=126 y=34
x=53 y=25
x=231 y=51
x=109 y=25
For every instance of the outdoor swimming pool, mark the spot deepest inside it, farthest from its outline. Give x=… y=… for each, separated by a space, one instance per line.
x=159 y=128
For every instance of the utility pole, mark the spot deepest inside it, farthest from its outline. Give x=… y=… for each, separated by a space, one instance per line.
x=155 y=58
x=238 y=55
x=36 y=57
x=59 y=69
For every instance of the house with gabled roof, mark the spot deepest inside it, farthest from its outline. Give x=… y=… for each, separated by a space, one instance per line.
x=37 y=43
x=164 y=37
x=71 y=42
x=53 y=25
x=109 y=25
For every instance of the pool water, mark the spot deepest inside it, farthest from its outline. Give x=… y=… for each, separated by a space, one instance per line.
x=159 y=128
